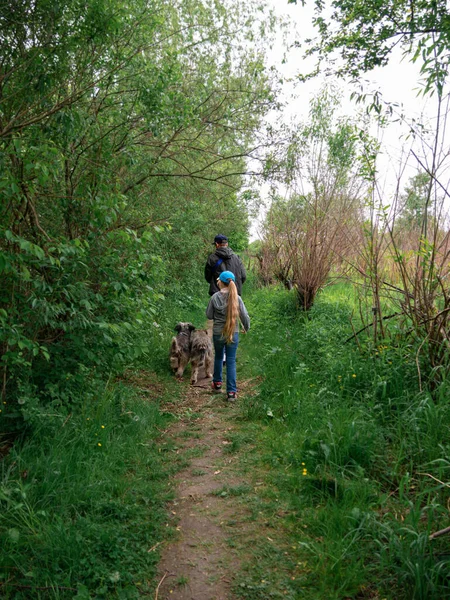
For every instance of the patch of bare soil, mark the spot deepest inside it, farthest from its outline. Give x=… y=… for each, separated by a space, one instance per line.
x=199 y=563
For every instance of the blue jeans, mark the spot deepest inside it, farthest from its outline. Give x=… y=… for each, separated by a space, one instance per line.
x=230 y=352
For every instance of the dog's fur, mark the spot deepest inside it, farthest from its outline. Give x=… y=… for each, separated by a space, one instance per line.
x=180 y=349
x=201 y=353
x=192 y=345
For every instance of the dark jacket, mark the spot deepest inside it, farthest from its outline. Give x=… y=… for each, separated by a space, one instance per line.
x=230 y=262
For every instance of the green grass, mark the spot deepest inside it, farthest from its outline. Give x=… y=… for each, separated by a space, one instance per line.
x=346 y=463
x=237 y=490
x=356 y=452
x=84 y=491
x=75 y=502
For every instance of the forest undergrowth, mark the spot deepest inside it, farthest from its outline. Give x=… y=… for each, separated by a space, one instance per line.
x=348 y=463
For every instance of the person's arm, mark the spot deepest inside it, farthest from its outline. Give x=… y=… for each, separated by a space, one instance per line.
x=210 y=310
x=243 y=315
x=208 y=271
x=243 y=272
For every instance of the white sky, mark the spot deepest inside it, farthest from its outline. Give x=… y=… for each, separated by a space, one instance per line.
x=398 y=82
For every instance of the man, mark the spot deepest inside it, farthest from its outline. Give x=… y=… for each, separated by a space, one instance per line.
x=223 y=259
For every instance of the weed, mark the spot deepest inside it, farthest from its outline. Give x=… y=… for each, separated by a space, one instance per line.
x=196 y=452
x=198 y=472
x=190 y=435
x=237 y=440
x=237 y=490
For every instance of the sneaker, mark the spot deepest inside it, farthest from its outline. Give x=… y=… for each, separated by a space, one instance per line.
x=231 y=396
x=216 y=386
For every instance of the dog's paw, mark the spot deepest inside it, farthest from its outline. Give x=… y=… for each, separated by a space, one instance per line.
x=209 y=375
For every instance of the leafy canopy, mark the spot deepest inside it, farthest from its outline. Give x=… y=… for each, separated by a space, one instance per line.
x=125 y=130
x=365 y=32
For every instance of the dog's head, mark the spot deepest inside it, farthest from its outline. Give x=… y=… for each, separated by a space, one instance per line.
x=200 y=340
x=184 y=327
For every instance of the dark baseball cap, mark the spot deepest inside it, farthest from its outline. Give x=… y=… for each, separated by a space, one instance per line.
x=220 y=238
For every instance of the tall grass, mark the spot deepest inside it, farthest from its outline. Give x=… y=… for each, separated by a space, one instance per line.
x=76 y=500
x=361 y=453
x=84 y=490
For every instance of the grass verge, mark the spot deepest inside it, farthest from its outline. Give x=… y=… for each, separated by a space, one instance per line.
x=83 y=494
x=351 y=457
x=83 y=500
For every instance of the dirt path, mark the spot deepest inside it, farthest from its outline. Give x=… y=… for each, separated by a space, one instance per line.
x=199 y=564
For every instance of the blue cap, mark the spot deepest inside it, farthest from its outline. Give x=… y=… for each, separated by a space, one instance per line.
x=227 y=276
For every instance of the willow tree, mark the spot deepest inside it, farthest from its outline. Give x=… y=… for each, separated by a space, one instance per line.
x=364 y=34
x=306 y=233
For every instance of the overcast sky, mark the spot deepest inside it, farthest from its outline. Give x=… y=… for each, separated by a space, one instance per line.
x=398 y=82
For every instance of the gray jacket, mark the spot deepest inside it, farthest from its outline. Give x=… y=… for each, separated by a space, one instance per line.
x=217 y=310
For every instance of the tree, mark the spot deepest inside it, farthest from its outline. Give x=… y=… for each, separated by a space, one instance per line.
x=415 y=202
x=125 y=129
x=363 y=36
x=305 y=233
x=364 y=33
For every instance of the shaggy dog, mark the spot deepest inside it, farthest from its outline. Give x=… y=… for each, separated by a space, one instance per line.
x=191 y=345
x=180 y=351
x=201 y=353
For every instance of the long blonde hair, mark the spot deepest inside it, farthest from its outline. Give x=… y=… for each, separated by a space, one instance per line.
x=232 y=312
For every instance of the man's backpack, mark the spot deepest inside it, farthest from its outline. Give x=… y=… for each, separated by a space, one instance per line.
x=218 y=264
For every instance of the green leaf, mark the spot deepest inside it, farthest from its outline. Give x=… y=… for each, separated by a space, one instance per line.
x=82 y=593
x=14 y=534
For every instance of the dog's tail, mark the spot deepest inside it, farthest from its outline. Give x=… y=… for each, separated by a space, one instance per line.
x=174 y=349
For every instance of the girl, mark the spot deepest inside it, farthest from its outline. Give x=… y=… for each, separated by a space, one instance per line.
x=226 y=309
